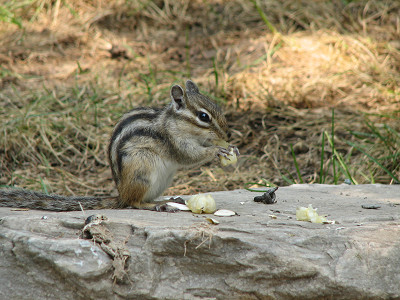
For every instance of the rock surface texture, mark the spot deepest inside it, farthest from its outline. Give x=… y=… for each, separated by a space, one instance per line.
x=262 y=253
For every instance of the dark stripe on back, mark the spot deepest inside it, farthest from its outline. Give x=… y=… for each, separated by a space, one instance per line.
x=121 y=125
x=131 y=119
x=139 y=132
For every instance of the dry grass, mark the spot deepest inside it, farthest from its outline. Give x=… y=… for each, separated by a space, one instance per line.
x=63 y=88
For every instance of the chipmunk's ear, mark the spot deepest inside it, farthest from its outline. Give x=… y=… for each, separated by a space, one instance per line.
x=191 y=87
x=178 y=97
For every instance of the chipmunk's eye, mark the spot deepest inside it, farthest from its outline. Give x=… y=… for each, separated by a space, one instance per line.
x=204 y=117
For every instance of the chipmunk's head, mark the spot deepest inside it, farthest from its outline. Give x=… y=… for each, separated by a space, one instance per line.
x=204 y=117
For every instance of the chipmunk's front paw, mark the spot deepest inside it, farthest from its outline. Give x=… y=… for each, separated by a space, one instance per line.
x=234 y=149
x=223 y=152
x=228 y=156
x=165 y=208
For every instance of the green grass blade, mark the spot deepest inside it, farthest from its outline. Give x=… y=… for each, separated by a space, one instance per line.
x=390 y=129
x=289 y=181
x=44 y=186
x=267 y=184
x=187 y=53
x=377 y=134
x=374 y=160
x=296 y=164
x=361 y=135
x=342 y=164
x=264 y=17
x=8 y=16
x=321 y=171
x=332 y=143
x=215 y=74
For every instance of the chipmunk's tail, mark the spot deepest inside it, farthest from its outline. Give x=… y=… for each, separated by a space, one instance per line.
x=20 y=198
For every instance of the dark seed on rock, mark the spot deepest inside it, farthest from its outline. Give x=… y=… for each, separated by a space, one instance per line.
x=268 y=197
x=370 y=206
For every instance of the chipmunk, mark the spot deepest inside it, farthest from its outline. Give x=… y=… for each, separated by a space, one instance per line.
x=147 y=147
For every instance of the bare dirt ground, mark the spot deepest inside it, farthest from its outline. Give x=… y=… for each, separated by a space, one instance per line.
x=69 y=69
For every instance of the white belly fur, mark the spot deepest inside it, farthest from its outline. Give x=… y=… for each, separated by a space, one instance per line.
x=161 y=178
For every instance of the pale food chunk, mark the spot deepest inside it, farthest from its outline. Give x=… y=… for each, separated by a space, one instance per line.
x=202 y=204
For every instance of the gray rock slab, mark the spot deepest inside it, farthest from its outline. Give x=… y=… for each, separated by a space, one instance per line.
x=262 y=253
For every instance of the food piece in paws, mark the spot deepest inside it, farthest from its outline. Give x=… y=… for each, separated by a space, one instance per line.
x=231 y=156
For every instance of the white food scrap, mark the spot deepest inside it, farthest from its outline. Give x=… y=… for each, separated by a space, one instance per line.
x=202 y=204
x=212 y=221
x=178 y=205
x=225 y=213
x=309 y=214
